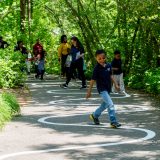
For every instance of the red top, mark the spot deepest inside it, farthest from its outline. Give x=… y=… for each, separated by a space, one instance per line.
x=37 y=48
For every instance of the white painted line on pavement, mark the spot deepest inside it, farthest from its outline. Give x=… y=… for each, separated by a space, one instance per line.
x=77 y=93
x=149 y=135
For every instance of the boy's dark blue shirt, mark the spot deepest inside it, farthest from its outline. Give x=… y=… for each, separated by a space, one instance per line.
x=102 y=76
x=117 y=63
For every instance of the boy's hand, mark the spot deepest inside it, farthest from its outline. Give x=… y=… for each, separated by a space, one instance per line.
x=88 y=95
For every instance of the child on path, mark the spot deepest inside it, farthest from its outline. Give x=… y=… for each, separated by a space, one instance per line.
x=40 y=59
x=117 y=72
x=102 y=74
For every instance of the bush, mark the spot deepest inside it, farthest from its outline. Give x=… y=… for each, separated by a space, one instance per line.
x=135 y=81
x=152 y=81
x=9 y=107
x=149 y=81
x=11 y=63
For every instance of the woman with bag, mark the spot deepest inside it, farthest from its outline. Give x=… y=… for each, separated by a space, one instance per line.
x=77 y=54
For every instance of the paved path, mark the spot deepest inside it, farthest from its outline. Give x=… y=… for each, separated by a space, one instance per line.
x=55 y=126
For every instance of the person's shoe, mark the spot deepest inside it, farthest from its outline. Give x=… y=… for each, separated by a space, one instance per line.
x=96 y=120
x=115 y=125
x=64 y=86
x=83 y=87
x=36 y=76
x=127 y=95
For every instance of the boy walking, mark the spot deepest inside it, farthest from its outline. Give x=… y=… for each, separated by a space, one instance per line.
x=117 y=72
x=102 y=74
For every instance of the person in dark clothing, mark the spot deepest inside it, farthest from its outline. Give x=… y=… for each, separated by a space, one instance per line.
x=77 y=53
x=118 y=72
x=20 y=47
x=3 y=44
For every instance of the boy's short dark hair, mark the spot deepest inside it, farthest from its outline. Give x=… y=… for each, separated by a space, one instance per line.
x=100 y=51
x=117 y=52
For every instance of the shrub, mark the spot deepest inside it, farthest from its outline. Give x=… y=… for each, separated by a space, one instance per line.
x=135 y=81
x=11 y=63
x=152 y=81
x=9 y=107
x=149 y=81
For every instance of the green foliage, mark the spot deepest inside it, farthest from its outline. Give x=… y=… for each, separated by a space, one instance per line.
x=9 y=107
x=135 y=81
x=149 y=81
x=10 y=71
x=130 y=26
x=152 y=81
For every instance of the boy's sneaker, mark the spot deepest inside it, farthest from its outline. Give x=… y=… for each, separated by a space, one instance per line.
x=96 y=120
x=115 y=125
x=64 y=86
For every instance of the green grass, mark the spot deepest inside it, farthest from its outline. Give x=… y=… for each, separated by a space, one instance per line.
x=9 y=108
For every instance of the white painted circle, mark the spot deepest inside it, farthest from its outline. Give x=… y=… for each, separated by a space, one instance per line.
x=149 y=135
x=63 y=92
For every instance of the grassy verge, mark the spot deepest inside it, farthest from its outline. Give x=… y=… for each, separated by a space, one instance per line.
x=9 y=108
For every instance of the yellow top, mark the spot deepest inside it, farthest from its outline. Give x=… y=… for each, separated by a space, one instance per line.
x=63 y=49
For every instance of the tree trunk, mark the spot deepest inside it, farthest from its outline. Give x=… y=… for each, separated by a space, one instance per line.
x=29 y=21
x=22 y=15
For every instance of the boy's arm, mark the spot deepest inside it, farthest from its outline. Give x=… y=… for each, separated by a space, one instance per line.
x=115 y=84
x=88 y=95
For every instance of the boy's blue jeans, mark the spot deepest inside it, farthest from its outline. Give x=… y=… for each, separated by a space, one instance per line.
x=106 y=104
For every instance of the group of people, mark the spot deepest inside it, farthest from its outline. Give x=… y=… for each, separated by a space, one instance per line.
x=71 y=57
x=108 y=76
x=38 y=56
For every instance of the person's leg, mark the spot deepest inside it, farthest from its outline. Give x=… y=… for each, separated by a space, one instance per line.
x=121 y=82
x=109 y=105
x=36 y=71
x=63 y=62
x=81 y=72
x=28 y=66
x=67 y=71
x=69 y=75
x=116 y=78
x=99 y=110
x=42 y=74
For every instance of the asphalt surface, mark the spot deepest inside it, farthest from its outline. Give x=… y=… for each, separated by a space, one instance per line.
x=55 y=125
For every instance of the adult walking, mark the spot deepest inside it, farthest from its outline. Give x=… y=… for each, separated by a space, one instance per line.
x=77 y=53
x=20 y=47
x=37 y=48
x=63 y=51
